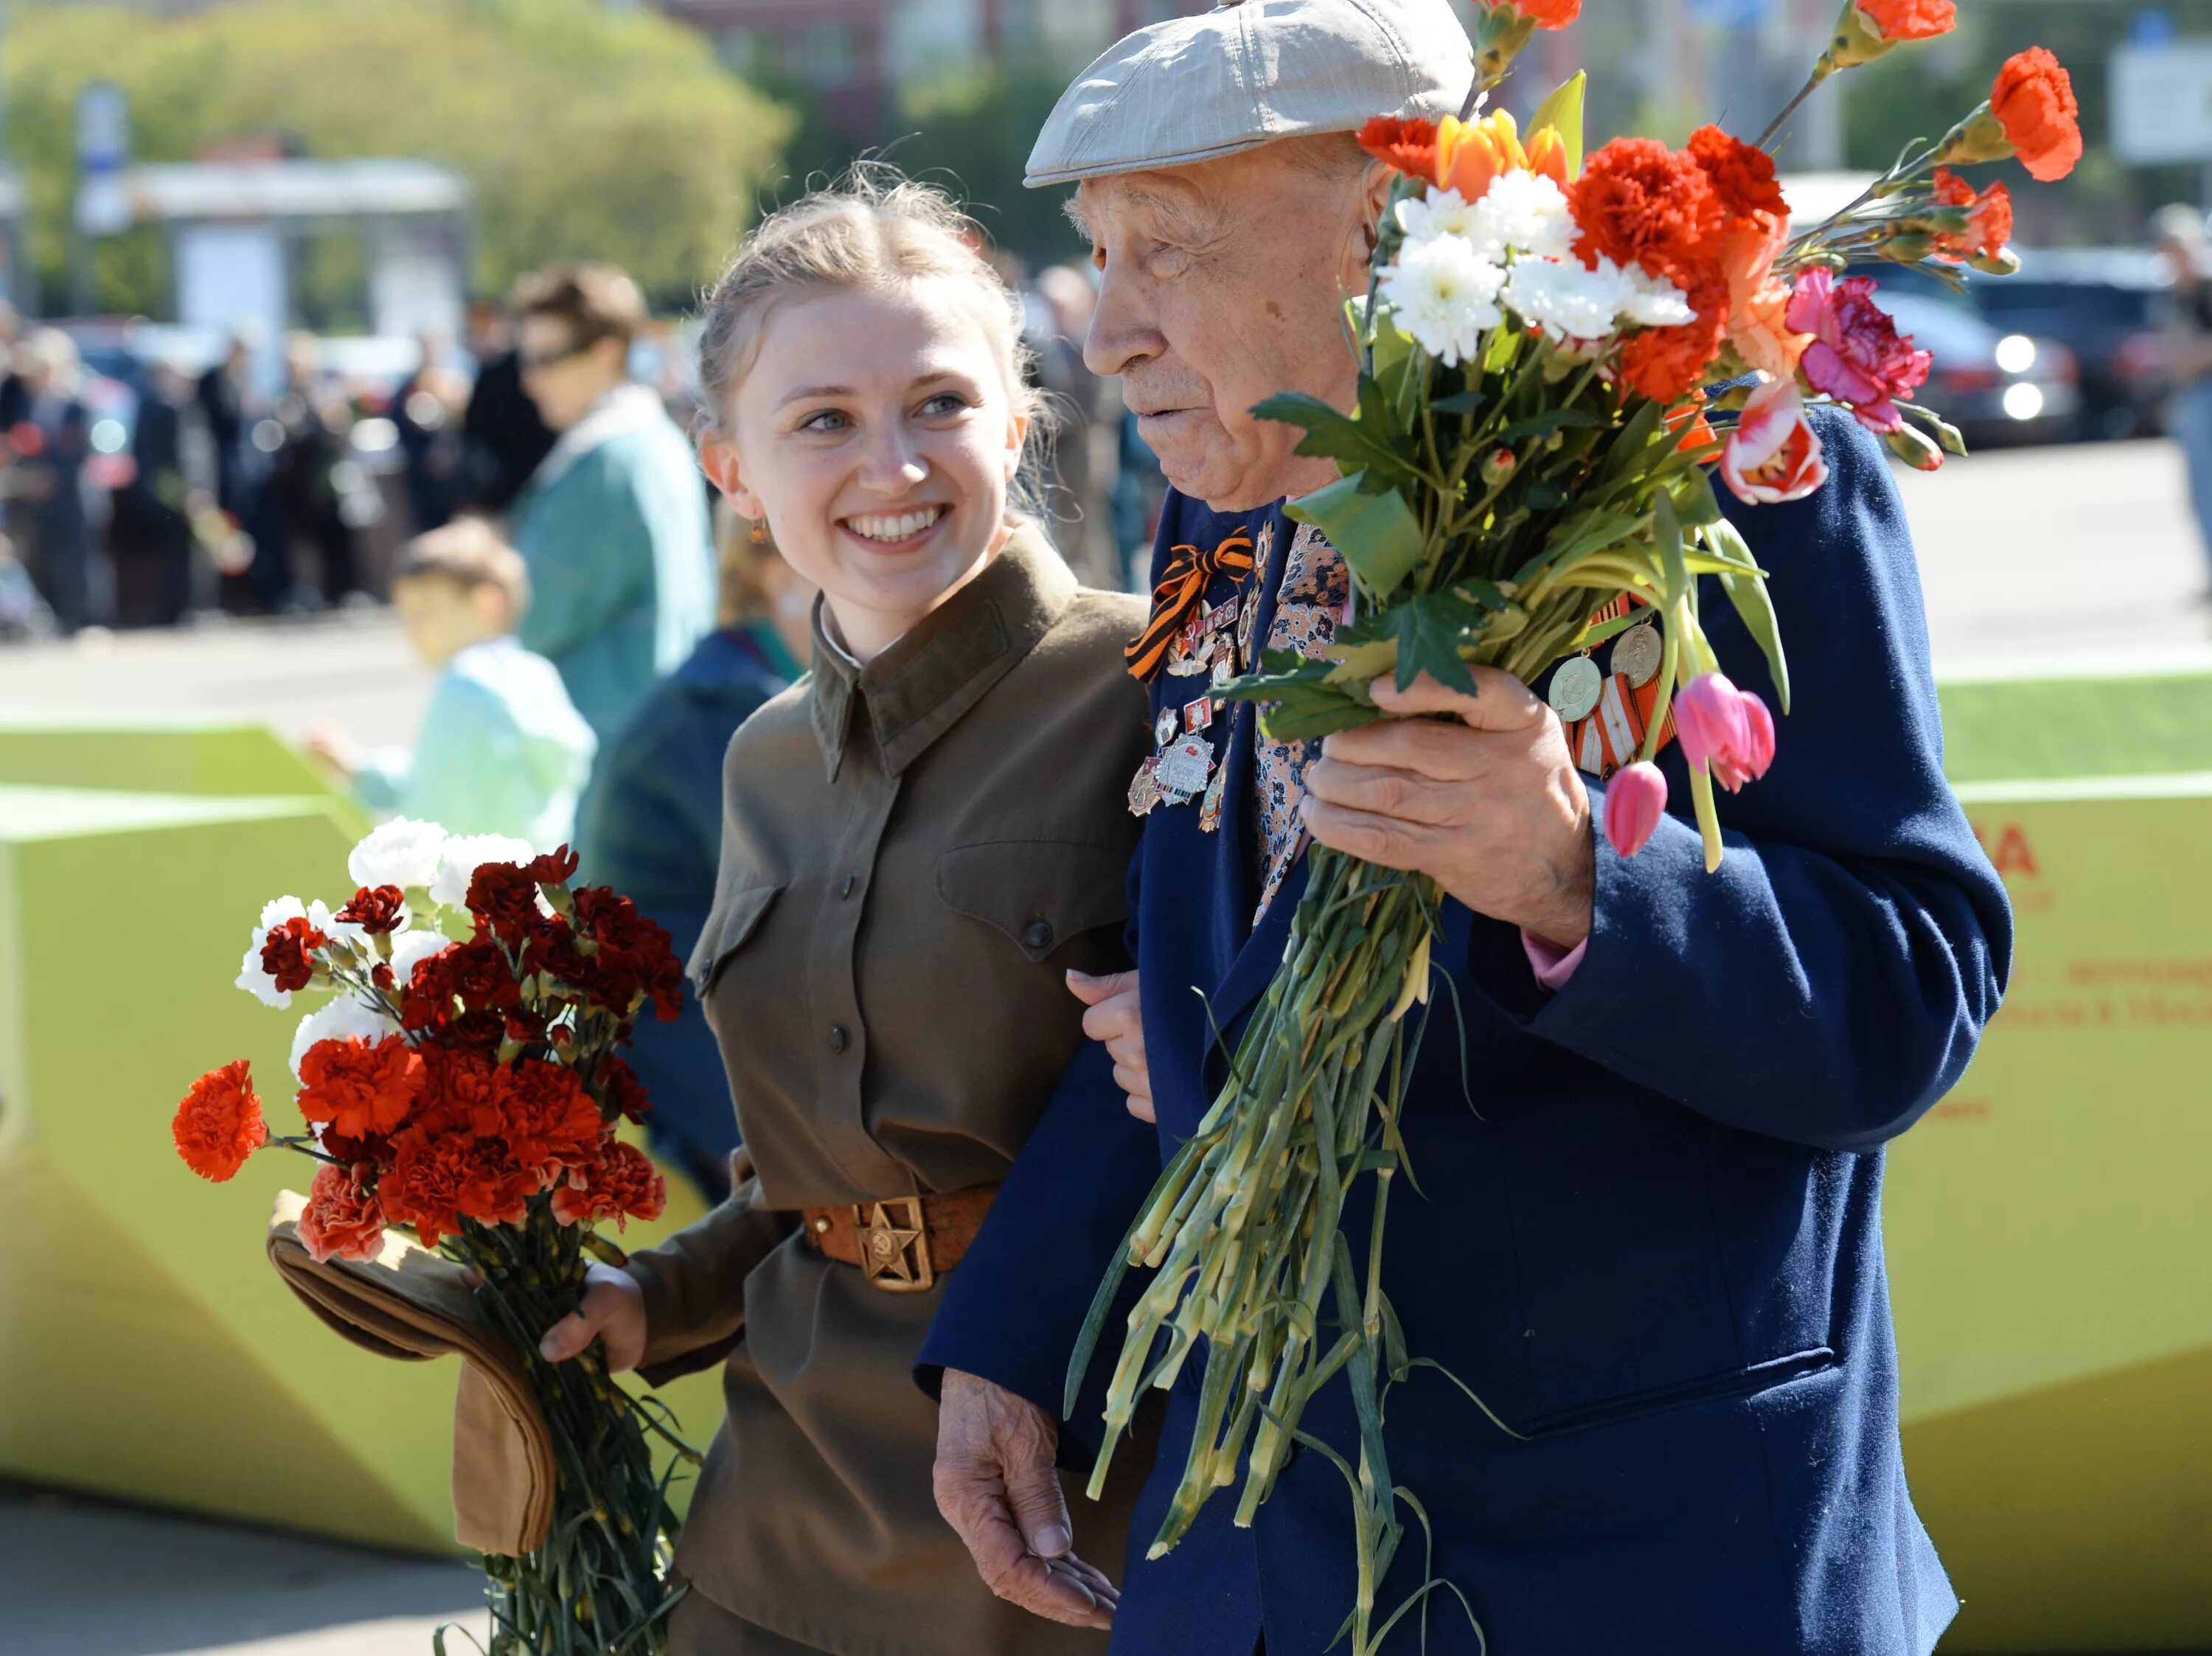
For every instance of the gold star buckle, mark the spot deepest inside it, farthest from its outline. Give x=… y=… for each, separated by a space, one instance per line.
x=895 y=1245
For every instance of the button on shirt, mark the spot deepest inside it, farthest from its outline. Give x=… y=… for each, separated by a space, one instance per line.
x=915 y=852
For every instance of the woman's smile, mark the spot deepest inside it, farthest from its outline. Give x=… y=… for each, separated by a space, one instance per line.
x=896 y=531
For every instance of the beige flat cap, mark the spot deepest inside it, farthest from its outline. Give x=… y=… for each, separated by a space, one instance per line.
x=1233 y=78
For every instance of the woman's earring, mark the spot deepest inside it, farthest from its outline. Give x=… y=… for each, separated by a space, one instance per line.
x=760 y=532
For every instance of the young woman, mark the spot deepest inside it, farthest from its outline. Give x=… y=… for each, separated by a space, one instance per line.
x=921 y=839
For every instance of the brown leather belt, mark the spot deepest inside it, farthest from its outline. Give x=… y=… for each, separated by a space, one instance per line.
x=902 y=1244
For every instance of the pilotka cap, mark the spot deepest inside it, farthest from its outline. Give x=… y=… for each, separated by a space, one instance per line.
x=1191 y=88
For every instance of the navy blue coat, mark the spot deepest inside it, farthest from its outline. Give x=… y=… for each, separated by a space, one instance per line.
x=1657 y=1250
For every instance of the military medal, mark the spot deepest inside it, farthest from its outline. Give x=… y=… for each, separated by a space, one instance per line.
x=1145 y=788
x=1187 y=653
x=1166 y=726
x=1197 y=715
x=1224 y=663
x=1209 y=809
x=1576 y=688
x=1184 y=768
x=1636 y=654
x=1261 y=555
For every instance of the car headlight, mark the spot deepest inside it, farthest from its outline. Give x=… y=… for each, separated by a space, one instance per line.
x=2023 y=401
x=2015 y=353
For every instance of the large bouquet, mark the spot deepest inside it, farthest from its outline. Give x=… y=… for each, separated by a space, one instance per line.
x=462 y=1082
x=1561 y=356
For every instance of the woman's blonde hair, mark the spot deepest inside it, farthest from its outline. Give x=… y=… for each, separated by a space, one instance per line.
x=871 y=232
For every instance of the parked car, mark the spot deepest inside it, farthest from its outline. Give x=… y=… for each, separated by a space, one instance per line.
x=2107 y=305
x=1997 y=387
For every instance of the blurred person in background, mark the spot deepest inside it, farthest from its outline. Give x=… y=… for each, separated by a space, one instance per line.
x=319 y=490
x=52 y=443
x=500 y=750
x=15 y=397
x=613 y=524
x=157 y=506
x=503 y=437
x=2179 y=233
x=655 y=822
x=1060 y=318
x=240 y=430
x=428 y=410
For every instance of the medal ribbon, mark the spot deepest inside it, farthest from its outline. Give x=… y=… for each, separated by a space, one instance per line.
x=1181 y=590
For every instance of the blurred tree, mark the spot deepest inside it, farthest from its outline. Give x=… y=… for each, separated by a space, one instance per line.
x=590 y=131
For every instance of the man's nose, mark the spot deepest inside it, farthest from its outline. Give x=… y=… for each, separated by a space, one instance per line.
x=1124 y=326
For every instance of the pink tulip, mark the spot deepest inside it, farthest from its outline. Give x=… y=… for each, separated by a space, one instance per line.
x=1635 y=800
x=1727 y=730
x=1773 y=454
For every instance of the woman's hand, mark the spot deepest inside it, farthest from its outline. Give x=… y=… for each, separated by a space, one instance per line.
x=1116 y=1020
x=613 y=1310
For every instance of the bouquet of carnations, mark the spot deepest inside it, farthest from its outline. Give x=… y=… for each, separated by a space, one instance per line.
x=462 y=1082
x=1561 y=356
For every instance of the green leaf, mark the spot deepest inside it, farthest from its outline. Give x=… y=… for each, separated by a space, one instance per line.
x=1632 y=446
x=1360 y=662
x=1463 y=402
x=1746 y=591
x=1668 y=525
x=1353 y=444
x=1377 y=535
x=1564 y=110
x=1430 y=631
x=1695 y=500
x=1544 y=424
x=1591 y=532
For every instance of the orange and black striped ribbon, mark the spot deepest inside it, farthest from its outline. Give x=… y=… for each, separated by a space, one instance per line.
x=1182 y=589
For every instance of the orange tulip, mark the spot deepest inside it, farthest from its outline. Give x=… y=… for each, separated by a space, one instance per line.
x=1471 y=154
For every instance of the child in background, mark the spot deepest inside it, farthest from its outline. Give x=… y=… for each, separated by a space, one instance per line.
x=502 y=749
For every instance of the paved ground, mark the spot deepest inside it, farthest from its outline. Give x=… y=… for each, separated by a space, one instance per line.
x=2080 y=553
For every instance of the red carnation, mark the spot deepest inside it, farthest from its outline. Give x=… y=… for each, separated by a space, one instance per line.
x=621 y=1185
x=1544 y=13
x=545 y=1116
x=1665 y=364
x=554 y=867
x=376 y=910
x=504 y=899
x=438 y=1179
x=343 y=1220
x=2033 y=97
x=1743 y=174
x=288 y=953
x=482 y=980
x=1909 y=19
x=1408 y=146
x=428 y=1001
x=1857 y=356
x=460 y=1091
x=1639 y=203
x=219 y=1124
x=1989 y=222
x=360 y=1087
x=623 y=1093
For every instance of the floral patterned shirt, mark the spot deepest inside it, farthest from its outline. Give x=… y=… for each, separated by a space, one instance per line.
x=1314 y=589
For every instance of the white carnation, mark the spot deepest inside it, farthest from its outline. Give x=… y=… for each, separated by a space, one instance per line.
x=1439 y=213
x=1564 y=298
x=465 y=854
x=410 y=948
x=343 y=1019
x=1444 y=294
x=402 y=851
x=1651 y=302
x=1524 y=211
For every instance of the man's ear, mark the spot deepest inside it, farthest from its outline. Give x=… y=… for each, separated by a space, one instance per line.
x=718 y=458
x=1374 y=196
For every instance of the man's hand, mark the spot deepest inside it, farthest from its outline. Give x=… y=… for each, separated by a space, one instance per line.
x=997 y=1486
x=1487 y=803
x=1116 y=1020
x=613 y=1310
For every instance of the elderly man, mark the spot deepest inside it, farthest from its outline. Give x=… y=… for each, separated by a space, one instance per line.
x=1654 y=1247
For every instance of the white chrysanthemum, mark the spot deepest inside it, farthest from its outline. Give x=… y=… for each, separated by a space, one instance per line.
x=402 y=851
x=465 y=854
x=1564 y=298
x=1525 y=211
x=1439 y=213
x=343 y=1019
x=1444 y=294
x=1651 y=302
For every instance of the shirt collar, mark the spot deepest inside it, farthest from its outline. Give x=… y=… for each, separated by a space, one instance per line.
x=918 y=688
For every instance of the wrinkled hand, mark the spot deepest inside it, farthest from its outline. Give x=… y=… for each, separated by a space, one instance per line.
x=1116 y=1022
x=1488 y=803
x=996 y=1485
x=613 y=1310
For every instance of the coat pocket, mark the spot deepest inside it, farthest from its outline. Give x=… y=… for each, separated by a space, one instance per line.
x=1731 y=1384
x=1040 y=893
x=734 y=919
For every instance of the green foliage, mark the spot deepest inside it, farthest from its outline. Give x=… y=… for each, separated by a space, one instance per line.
x=589 y=132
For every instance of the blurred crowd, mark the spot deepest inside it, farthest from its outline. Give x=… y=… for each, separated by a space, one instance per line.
x=142 y=484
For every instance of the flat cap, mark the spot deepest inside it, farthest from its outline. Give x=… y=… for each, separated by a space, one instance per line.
x=1249 y=71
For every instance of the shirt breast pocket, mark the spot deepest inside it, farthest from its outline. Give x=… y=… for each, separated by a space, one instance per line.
x=736 y=916
x=1043 y=895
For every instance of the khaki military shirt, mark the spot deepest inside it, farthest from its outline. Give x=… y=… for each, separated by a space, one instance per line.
x=913 y=852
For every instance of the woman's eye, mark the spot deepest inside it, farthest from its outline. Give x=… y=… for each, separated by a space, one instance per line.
x=944 y=402
x=827 y=419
